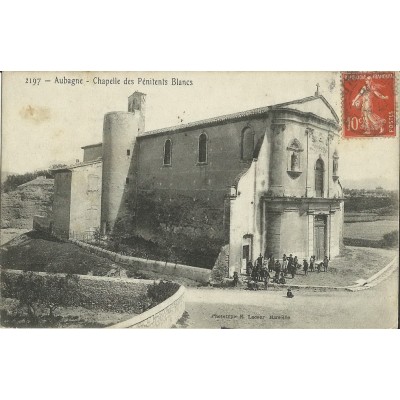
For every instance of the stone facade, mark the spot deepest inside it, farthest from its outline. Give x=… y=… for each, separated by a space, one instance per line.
x=77 y=199
x=261 y=181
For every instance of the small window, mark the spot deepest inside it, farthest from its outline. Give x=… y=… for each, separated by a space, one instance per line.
x=128 y=152
x=127 y=180
x=167 y=152
x=202 y=148
x=247 y=148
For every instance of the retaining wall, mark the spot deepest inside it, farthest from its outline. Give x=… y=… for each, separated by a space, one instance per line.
x=164 y=315
x=201 y=275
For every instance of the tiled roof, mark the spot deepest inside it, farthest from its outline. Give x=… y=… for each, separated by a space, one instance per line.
x=243 y=114
x=92 y=145
x=219 y=119
x=77 y=165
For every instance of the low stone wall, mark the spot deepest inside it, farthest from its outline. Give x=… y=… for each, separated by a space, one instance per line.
x=164 y=315
x=201 y=275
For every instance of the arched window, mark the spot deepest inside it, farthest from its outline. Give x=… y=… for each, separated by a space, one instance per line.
x=168 y=152
x=202 y=148
x=319 y=178
x=247 y=148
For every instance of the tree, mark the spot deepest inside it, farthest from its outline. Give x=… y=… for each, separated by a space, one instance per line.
x=28 y=291
x=58 y=291
x=34 y=290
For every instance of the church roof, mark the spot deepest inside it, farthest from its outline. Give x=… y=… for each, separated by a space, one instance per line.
x=77 y=165
x=92 y=145
x=316 y=105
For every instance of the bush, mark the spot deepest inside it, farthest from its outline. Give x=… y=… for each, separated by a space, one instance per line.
x=391 y=239
x=159 y=292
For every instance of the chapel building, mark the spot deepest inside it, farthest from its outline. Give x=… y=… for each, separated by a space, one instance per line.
x=222 y=189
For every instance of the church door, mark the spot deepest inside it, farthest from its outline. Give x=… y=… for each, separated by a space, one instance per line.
x=319 y=178
x=320 y=237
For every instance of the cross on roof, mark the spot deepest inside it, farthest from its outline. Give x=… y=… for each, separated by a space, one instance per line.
x=317 y=92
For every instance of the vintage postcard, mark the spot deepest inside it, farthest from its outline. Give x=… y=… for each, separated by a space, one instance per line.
x=199 y=199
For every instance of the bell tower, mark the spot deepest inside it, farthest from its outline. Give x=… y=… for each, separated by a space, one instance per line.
x=137 y=105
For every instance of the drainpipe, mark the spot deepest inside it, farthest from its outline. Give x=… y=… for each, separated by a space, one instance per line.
x=329 y=162
x=307 y=132
x=254 y=200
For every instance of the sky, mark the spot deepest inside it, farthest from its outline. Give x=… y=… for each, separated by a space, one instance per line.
x=48 y=123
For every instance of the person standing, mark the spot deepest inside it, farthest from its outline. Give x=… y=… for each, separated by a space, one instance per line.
x=296 y=262
x=278 y=267
x=235 y=279
x=305 y=267
x=285 y=264
x=290 y=261
x=249 y=269
x=292 y=270
x=259 y=261
x=312 y=263
x=326 y=262
x=271 y=263
x=266 y=279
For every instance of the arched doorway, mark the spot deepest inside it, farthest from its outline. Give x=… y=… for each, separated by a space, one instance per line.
x=319 y=178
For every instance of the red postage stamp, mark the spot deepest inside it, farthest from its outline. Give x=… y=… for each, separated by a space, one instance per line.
x=369 y=107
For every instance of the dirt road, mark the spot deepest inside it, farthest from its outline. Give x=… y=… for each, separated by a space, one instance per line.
x=217 y=308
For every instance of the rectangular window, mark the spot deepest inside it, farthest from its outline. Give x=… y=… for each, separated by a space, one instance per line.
x=127 y=180
x=128 y=152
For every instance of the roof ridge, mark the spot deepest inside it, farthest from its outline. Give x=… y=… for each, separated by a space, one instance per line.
x=241 y=114
x=81 y=164
x=310 y=98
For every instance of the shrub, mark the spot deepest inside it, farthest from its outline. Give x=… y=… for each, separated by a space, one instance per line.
x=391 y=239
x=159 y=292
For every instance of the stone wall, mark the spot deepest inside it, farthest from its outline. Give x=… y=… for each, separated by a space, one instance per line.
x=164 y=315
x=201 y=275
x=85 y=198
x=186 y=203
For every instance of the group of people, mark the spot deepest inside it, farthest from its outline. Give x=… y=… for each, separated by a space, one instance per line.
x=264 y=267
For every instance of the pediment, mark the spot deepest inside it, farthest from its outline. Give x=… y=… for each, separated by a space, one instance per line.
x=316 y=105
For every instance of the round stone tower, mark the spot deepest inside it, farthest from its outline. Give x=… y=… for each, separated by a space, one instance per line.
x=120 y=130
